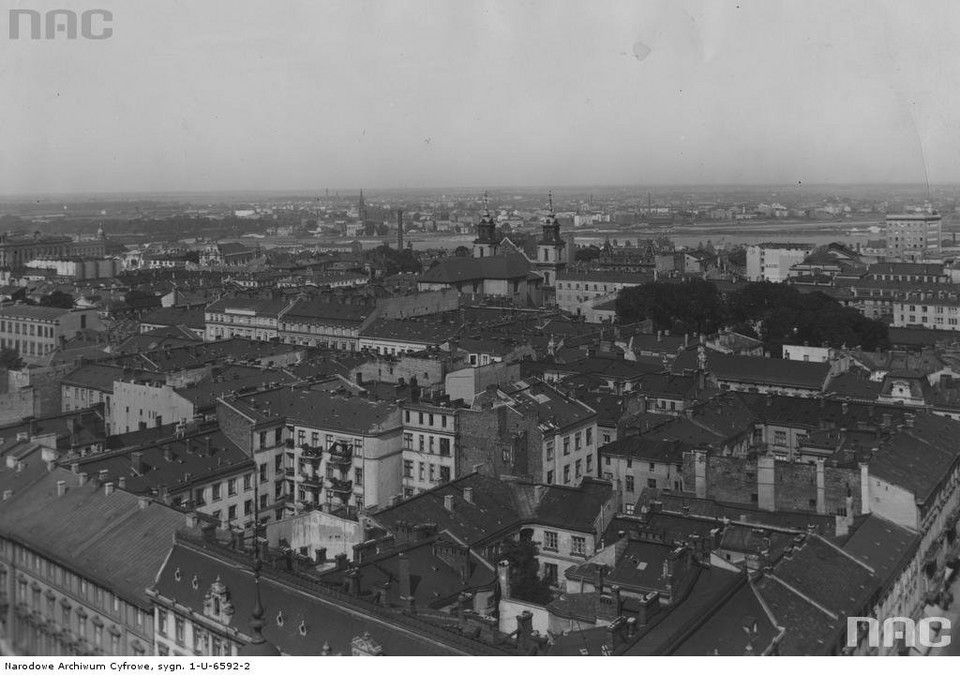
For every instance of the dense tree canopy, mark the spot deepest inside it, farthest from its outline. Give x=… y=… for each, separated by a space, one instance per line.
x=57 y=299
x=10 y=359
x=587 y=253
x=525 y=582
x=393 y=261
x=778 y=314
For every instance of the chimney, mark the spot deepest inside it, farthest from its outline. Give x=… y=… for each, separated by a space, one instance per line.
x=7 y=494
x=448 y=502
x=82 y=479
x=207 y=448
x=403 y=571
x=143 y=502
x=61 y=488
x=103 y=475
x=108 y=488
x=191 y=520
x=524 y=631
x=136 y=462
x=468 y=495
x=122 y=482
x=503 y=571
x=75 y=467
x=340 y=560
x=353 y=582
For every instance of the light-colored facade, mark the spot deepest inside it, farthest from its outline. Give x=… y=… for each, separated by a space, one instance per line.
x=36 y=331
x=915 y=236
x=772 y=262
x=430 y=447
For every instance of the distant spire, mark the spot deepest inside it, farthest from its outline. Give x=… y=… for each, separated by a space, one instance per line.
x=485 y=203
x=550 y=200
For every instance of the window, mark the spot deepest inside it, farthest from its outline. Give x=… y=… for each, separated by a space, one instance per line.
x=779 y=437
x=216 y=491
x=408 y=441
x=358 y=476
x=589 y=436
x=232 y=513
x=407 y=468
x=248 y=507
x=549 y=451
x=550 y=573
x=549 y=540
x=630 y=485
x=422 y=470
x=248 y=482
x=590 y=464
x=432 y=478
x=576 y=441
x=549 y=477
x=263 y=473
x=578 y=468
x=278 y=464
x=179 y=629
x=578 y=545
x=444 y=474
x=566 y=445
x=444 y=446
x=162 y=621
x=566 y=473
x=651 y=482
x=232 y=487
x=653 y=467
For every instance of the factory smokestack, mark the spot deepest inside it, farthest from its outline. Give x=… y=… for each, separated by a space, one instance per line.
x=399 y=230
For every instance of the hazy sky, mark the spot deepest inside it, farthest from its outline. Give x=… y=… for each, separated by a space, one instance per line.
x=309 y=94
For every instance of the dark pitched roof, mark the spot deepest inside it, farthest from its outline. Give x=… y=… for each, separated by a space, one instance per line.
x=109 y=539
x=460 y=270
x=759 y=370
x=327 y=617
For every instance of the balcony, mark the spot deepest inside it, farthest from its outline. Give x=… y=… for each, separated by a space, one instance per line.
x=309 y=452
x=340 y=454
x=310 y=481
x=339 y=486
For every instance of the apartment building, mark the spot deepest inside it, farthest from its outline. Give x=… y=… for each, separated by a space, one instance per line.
x=72 y=585
x=914 y=236
x=36 y=331
x=772 y=261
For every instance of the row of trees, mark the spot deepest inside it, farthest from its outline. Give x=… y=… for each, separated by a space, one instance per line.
x=777 y=314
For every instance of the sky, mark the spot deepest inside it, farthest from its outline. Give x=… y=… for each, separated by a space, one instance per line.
x=207 y=95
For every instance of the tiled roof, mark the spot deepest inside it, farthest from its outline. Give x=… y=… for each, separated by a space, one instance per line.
x=323 y=311
x=260 y=306
x=34 y=312
x=109 y=539
x=758 y=370
x=410 y=330
x=191 y=459
x=723 y=631
x=460 y=270
x=327 y=617
x=351 y=414
x=498 y=506
x=94 y=376
x=882 y=545
x=919 y=458
x=173 y=316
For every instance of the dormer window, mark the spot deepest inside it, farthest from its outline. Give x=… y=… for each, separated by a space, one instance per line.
x=217 y=604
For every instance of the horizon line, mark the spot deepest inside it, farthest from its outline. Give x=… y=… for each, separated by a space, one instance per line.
x=317 y=192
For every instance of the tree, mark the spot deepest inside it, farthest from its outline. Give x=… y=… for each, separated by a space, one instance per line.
x=10 y=359
x=57 y=299
x=461 y=252
x=587 y=253
x=525 y=582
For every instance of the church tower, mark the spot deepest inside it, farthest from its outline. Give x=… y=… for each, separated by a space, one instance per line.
x=551 y=249
x=486 y=243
